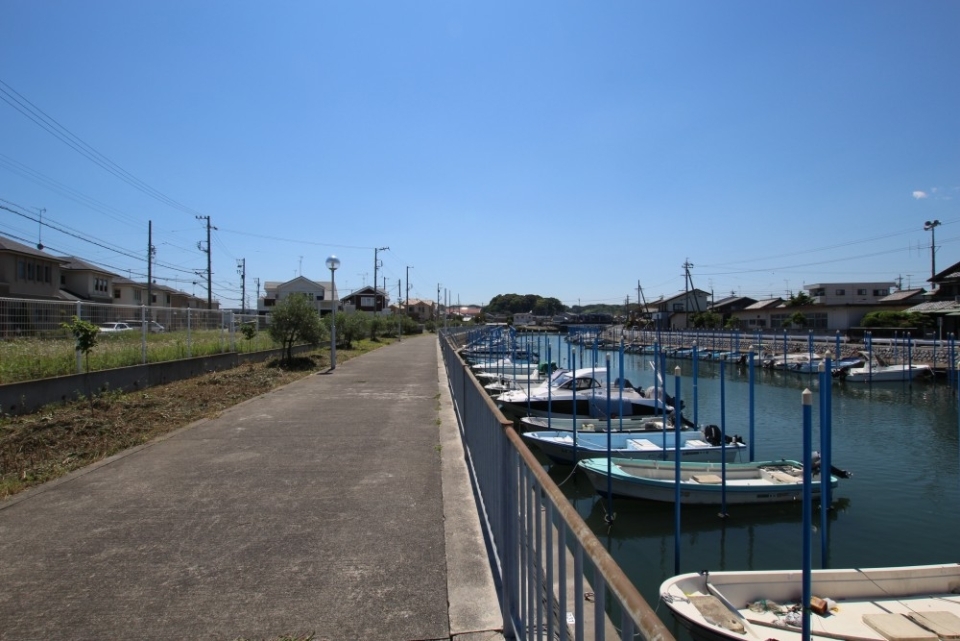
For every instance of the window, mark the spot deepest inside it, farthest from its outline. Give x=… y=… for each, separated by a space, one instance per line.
x=46 y=273
x=778 y=320
x=678 y=307
x=861 y=292
x=841 y=292
x=820 y=291
x=881 y=292
x=22 y=269
x=30 y=275
x=116 y=293
x=816 y=320
x=367 y=301
x=137 y=295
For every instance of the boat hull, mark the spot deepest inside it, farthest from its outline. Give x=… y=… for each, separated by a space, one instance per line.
x=869 y=600
x=702 y=483
x=566 y=448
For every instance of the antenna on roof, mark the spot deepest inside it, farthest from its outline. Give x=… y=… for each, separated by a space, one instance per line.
x=40 y=230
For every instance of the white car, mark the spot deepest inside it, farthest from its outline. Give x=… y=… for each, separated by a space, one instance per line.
x=111 y=328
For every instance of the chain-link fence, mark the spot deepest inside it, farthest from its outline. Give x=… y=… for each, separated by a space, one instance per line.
x=37 y=342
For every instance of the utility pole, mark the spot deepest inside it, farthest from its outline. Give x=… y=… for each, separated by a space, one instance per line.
x=256 y=296
x=931 y=226
x=688 y=280
x=151 y=250
x=407 y=300
x=400 y=310
x=376 y=264
x=209 y=262
x=242 y=270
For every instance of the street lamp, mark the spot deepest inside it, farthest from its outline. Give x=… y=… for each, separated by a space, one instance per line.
x=332 y=264
x=931 y=226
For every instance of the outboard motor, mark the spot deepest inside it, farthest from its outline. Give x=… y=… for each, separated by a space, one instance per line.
x=712 y=434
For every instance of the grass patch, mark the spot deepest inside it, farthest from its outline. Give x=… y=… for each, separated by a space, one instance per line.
x=58 y=439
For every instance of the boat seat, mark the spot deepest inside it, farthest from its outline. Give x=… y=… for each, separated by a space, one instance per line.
x=707 y=478
x=945 y=625
x=782 y=477
x=694 y=442
x=897 y=627
x=641 y=444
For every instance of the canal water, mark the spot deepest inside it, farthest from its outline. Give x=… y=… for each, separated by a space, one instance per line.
x=900 y=507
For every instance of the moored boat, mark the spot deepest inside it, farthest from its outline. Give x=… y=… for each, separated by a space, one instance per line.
x=569 y=447
x=701 y=483
x=919 y=602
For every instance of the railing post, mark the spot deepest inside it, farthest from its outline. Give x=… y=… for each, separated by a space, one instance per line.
x=77 y=347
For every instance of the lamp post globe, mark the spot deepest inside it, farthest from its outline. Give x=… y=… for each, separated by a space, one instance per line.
x=332 y=264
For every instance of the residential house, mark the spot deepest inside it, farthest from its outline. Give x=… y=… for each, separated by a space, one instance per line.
x=367 y=299
x=26 y=272
x=675 y=312
x=524 y=319
x=323 y=295
x=834 y=307
x=757 y=315
x=725 y=307
x=421 y=310
x=943 y=301
x=86 y=281
x=128 y=292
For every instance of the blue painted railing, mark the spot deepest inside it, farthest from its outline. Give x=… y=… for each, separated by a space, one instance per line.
x=548 y=562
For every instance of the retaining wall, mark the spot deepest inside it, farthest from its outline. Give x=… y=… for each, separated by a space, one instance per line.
x=30 y=396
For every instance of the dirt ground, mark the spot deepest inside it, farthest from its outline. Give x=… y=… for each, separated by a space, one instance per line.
x=39 y=447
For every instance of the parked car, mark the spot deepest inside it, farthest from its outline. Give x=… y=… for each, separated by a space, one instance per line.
x=111 y=328
x=152 y=326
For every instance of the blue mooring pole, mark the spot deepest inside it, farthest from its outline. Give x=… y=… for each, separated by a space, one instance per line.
x=676 y=478
x=696 y=376
x=826 y=461
x=807 y=399
x=723 y=441
x=753 y=381
x=609 y=516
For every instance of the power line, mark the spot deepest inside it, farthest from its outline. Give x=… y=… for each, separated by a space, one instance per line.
x=46 y=122
x=75 y=234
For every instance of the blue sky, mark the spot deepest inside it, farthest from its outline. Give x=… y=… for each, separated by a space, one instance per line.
x=566 y=149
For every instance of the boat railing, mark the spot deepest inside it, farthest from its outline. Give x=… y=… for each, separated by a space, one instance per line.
x=556 y=579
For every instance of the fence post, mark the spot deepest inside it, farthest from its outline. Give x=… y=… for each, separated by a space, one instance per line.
x=189 y=345
x=143 y=334
x=77 y=348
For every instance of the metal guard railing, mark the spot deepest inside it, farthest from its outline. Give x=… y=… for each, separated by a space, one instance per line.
x=548 y=562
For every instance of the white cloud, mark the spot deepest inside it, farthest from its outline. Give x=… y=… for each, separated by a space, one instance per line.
x=919 y=195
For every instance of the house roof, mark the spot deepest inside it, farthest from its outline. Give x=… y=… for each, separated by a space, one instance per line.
x=733 y=300
x=369 y=289
x=80 y=265
x=692 y=292
x=902 y=295
x=950 y=273
x=13 y=246
x=765 y=304
x=935 y=307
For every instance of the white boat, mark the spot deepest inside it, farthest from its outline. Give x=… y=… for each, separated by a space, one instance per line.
x=915 y=603
x=567 y=448
x=701 y=483
x=582 y=393
x=619 y=424
x=876 y=370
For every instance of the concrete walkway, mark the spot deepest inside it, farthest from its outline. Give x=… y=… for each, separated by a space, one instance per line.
x=338 y=505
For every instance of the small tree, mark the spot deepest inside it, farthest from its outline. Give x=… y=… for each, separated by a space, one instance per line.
x=295 y=320
x=800 y=299
x=375 y=326
x=85 y=333
x=797 y=319
x=351 y=327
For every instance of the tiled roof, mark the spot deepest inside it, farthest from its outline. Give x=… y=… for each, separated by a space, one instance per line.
x=938 y=306
x=764 y=304
x=901 y=295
